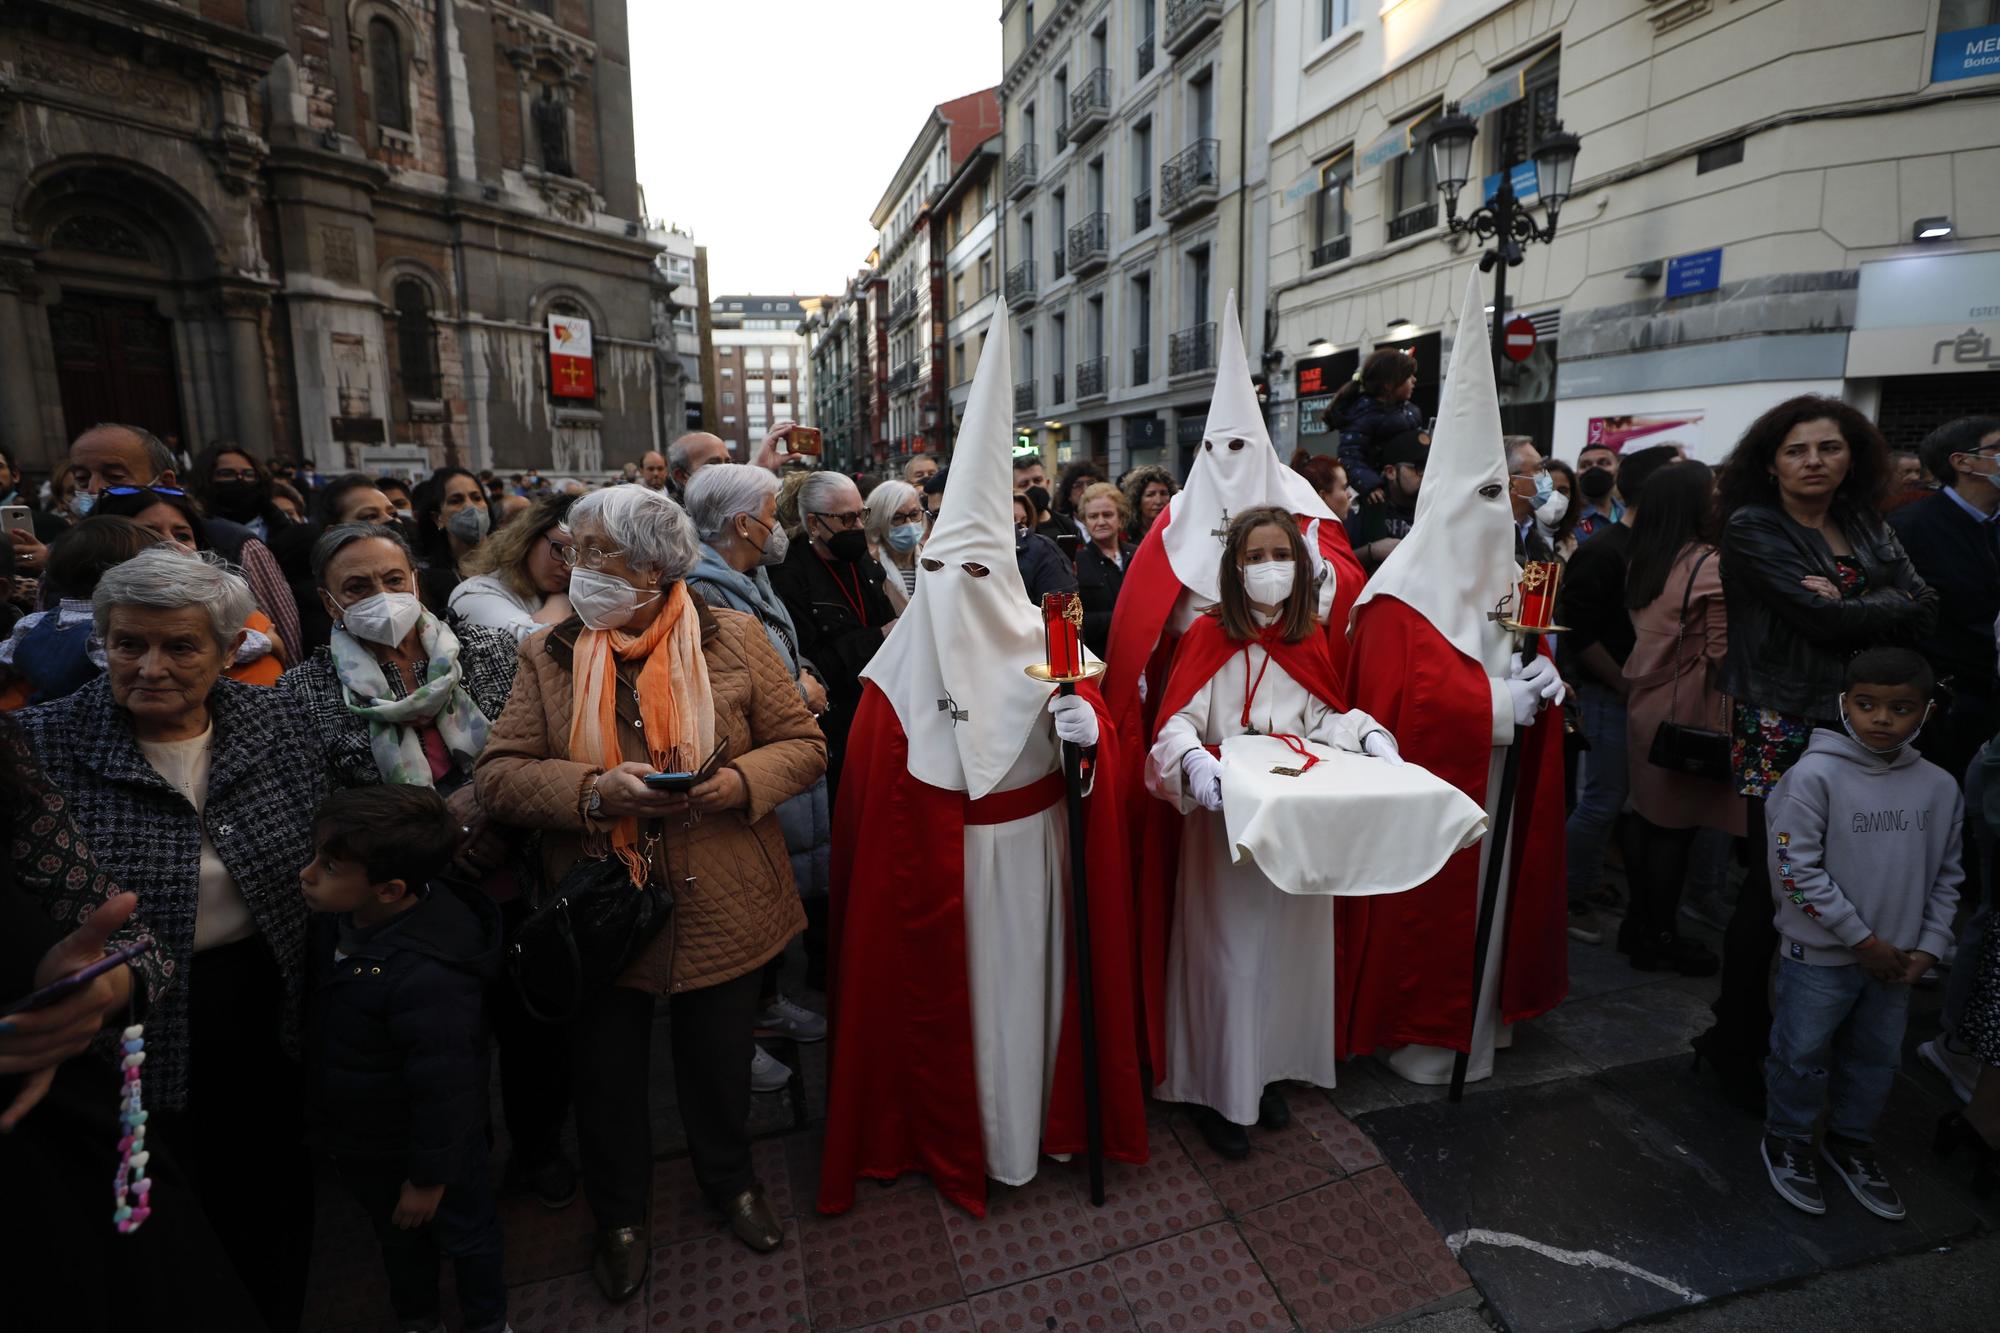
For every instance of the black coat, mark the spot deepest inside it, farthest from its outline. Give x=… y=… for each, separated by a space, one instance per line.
x=1788 y=647
x=832 y=637
x=1044 y=568
x=396 y=1038
x=1959 y=557
x=1365 y=425
x=1098 y=578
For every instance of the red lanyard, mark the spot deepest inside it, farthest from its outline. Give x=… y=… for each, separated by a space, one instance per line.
x=1250 y=688
x=853 y=599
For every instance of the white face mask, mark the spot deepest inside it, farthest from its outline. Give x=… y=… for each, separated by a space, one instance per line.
x=604 y=601
x=777 y=542
x=1552 y=511
x=383 y=618
x=1270 y=584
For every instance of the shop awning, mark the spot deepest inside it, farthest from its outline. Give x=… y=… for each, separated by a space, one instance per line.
x=1498 y=90
x=1394 y=143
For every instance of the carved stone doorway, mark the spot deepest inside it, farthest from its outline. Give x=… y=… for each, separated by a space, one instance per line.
x=115 y=362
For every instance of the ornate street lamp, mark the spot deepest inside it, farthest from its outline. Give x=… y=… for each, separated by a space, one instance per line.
x=1505 y=220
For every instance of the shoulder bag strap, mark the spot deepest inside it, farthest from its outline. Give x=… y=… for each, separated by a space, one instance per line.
x=1680 y=634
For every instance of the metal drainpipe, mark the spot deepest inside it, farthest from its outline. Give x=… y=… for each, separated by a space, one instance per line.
x=1243 y=155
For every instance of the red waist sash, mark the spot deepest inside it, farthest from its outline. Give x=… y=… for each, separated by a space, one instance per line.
x=1004 y=807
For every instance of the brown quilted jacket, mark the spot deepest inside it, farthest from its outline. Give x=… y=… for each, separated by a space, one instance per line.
x=741 y=906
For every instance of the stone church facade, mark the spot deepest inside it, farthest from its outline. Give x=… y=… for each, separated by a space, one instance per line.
x=330 y=229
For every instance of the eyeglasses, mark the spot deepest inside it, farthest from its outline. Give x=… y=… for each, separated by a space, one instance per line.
x=847 y=521
x=175 y=491
x=590 y=557
x=557 y=546
x=233 y=474
x=907 y=516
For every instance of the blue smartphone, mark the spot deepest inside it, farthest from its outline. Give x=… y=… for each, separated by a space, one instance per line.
x=65 y=986
x=685 y=782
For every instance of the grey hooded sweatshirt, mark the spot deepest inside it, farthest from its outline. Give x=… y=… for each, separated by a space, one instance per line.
x=1862 y=845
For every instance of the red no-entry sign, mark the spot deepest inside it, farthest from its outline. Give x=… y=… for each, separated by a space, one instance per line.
x=1517 y=340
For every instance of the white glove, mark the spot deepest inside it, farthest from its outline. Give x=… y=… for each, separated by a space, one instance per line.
x=1531 y=685
x=1382 y=746
x=1076 y=720
x=1318 y=556
x=1203 y=772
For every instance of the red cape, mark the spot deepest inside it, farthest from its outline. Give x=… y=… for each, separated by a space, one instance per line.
x=1140 y=646
x=1206 y=646
x=1404 y=960
x=902 y=1093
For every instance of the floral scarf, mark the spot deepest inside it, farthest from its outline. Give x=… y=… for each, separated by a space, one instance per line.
x=394 y=725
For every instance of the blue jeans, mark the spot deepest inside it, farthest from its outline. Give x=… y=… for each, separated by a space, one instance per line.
x=1836 y=1041
x=1602 y=788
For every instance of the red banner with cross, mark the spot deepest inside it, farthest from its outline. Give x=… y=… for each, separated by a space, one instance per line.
x=572 y=367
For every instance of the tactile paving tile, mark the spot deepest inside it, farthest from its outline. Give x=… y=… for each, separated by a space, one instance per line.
x=1411 y=1231
x=1335 y=1220
x=541 y=1243
x=1351 y=1149
x=1204 y=1282
x=1082 y=1298
x=713 y=1283
x=1027 y=1231
x=573 y=1304
x=1281 y=1163
x=1143 y=1203
x=1327 y=1291
x=945 y=1319
x=680 y=1210
x=887 y=1256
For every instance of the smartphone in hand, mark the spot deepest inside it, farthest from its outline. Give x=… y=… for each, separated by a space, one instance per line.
x=63 y=987
x=804 y=440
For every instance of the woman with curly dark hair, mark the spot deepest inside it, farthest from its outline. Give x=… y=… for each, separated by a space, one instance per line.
x=1148 y=492
x=1810 y=575
x=1370 y=410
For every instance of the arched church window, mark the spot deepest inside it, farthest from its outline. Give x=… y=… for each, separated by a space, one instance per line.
x=551 y=116
x=416 y=340
x=387 y=86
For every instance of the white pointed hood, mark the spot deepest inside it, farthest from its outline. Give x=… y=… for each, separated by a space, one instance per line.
x=1458 y=561
x=1236 y=470
x=954 y=666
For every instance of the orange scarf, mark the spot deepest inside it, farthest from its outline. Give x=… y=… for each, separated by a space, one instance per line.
x=674 y=703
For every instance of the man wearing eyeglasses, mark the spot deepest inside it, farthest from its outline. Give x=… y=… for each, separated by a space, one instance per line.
x=1530 y=487
x=833 y=590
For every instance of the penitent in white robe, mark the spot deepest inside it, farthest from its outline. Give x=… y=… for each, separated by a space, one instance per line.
x=1016 y=879
x=1432 y=1064
x=1249 y=966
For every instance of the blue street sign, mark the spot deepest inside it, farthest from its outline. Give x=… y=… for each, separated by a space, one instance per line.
x=1698 y=272
x=1527 y=187
x=1966 y=54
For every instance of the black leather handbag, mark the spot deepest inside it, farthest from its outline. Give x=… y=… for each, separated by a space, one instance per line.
x=584 y=935
x=1697 y=752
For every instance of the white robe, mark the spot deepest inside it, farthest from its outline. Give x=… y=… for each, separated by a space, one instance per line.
x=1015 y=877
x=1432 y=1064
x=1249 y=966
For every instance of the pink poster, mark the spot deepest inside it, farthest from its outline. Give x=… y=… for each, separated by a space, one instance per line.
x=1639 y=432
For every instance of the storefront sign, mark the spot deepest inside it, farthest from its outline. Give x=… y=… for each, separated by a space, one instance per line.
x=572 y=366
x=1311 y=377
x=1690 y=275
x=1966 y=54
x=1527 y=185
x=1927 y=315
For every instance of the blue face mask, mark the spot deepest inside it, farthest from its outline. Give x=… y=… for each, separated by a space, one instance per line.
x=1545 y=487
x=905 y=536
x=80 y=503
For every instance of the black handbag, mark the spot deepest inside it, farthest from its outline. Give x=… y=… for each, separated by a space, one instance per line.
x=584 y=935
x=1697 y=752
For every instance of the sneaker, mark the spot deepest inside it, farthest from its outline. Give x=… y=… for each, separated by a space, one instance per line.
x=768 y=1073
x=1856 y=1164
x=1789 y=1163
x=783 y=1017
x=1583 y=925
x=1960 y=1070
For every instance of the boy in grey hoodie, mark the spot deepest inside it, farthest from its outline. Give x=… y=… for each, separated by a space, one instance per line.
x=1864 y=874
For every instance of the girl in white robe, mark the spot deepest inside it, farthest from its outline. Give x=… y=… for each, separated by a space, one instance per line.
x=1250 y=968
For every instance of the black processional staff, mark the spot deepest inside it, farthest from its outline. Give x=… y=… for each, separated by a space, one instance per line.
x=1540 y=580
x=1062 y=618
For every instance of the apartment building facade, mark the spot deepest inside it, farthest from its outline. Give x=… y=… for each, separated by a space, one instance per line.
x=838 y=336
x=1771 y=197
x=762 y=373
x=1133 y=184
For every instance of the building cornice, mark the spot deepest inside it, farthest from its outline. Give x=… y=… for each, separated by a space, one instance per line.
x=1038 y=46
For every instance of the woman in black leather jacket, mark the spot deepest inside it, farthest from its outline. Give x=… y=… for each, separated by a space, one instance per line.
x=1811 y=575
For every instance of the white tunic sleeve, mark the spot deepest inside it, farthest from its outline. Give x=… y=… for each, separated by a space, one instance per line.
x=1343 y=731
x=1503 y=711
x=1178 y=734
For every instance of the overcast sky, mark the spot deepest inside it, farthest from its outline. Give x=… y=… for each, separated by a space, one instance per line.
x=770 y=128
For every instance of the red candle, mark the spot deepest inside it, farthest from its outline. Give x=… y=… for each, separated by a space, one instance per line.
x=1062 y=621
x=1539 y=581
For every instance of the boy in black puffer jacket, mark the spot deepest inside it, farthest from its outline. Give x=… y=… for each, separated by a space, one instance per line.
x=396 y=1044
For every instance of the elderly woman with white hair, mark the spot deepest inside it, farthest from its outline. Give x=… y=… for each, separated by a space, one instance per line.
x=649 y=679
x=734 y=508
x=197 y=792
x=896 y=530
x=834 y=592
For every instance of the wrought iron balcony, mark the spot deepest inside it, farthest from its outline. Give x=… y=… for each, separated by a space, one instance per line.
x=1191 y=351
x=1021 y=171
x=903 y=307
x=1332 y=252
x=1142 y=211
x=905 y=376
x=1090 y=243
x=1146 y=56
x=1021 y=285
x=1090 y=105
x=1412 y=222
x=1189 y=179
x=1056 y=393
x=1090 y=378
x=1188 y=21
x=1024 y=398
x=1142 y=363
